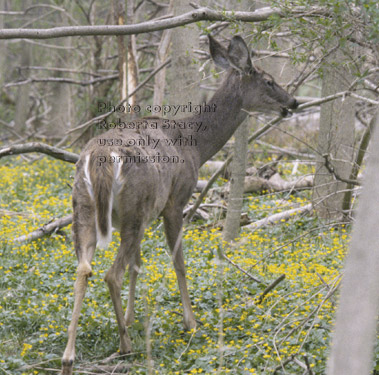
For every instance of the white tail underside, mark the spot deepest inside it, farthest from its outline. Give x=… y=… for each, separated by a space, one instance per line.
x=104 y=240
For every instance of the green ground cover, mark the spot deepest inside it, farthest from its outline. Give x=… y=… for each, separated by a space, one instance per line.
x=236 y=333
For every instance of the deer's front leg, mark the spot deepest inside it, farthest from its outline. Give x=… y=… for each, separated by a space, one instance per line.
x=173 y=222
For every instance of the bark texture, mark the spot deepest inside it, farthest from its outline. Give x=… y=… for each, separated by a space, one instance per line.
x=183 y=77
x=354 y=336
x=336 y=139
x=233 y=215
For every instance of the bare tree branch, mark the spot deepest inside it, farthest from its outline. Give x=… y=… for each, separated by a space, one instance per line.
x=62 y=80
x=39 y=147
x=242 y=270
x=66 y=70
x=105 y=115
x=201 y=14
x=329 y=166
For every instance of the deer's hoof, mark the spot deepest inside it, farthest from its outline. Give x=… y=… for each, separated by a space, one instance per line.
x=67 y=365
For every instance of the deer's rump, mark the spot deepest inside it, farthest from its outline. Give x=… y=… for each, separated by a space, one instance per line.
x=116 y=197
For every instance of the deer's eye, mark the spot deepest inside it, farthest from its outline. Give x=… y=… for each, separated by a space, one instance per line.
x=270 y=83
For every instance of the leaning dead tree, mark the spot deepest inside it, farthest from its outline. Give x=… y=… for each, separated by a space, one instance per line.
x=354 y=336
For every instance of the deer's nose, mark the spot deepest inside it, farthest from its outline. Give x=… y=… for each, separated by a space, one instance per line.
x=294 y=104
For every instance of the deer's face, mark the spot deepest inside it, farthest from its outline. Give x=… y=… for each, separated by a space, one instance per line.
x=259 y=91
x=262 y=93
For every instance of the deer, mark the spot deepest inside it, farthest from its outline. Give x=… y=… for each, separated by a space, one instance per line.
x=121 y=184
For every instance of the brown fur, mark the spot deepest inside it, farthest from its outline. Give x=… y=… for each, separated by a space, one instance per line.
x=101 y=179
x=147 y=190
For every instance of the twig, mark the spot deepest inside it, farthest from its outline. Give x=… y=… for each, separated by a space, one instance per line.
x=15 y=213
x=105 y=115
x=300 y=236
x=314 y=311
x=108 y=369
x=242 y=270
x=286 y=362
x=329 y=166
x=204 y=192
x=10 y=129
x=287 y=151
x=271 y=287
x=310 y=372
x=66 y=70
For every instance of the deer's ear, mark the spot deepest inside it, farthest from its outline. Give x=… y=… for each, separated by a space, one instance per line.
x=239 y=55
x=219 y=53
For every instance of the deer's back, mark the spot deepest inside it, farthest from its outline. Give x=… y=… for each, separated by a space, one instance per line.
x=149 y=171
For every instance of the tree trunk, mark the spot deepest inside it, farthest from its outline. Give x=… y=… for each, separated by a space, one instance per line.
x=235 y=202
x=132 y=69
x=336 y=140
x=118 y=7
x=22 y=101
x=183 y=77
x=161 y=57
x=59 y=118
x=355 y=331
x=3 y=47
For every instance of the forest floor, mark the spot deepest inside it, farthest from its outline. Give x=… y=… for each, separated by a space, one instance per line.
x=286 y=331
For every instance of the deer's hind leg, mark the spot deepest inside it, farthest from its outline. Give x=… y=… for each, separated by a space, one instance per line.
x=128 y=253
x=173 y=221
x=84 y=233
x=134 y=268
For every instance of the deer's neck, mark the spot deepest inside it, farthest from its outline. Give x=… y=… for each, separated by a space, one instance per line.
x=218 y=126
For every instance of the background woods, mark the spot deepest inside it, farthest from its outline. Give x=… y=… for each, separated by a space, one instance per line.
x=270 y=223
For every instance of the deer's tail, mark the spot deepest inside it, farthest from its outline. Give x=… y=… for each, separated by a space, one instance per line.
x=100 y=181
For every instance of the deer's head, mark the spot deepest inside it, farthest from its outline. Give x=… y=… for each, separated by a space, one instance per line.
x=259 y=90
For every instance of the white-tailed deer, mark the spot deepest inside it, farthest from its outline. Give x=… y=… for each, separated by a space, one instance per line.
x=127 y=178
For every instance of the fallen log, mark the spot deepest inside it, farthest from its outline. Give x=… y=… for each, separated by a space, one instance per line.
x=279 y=217
x=46 y=229
x=256 y=184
